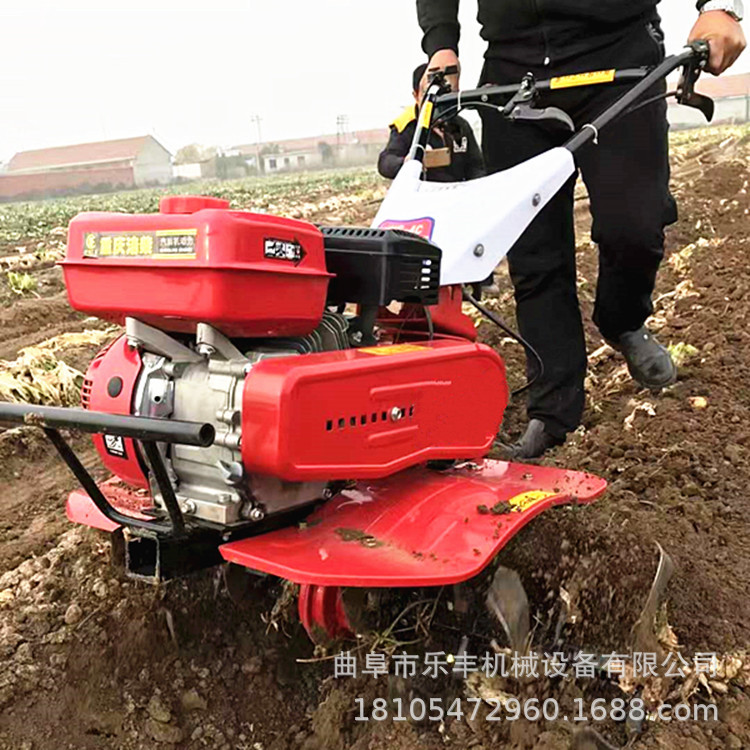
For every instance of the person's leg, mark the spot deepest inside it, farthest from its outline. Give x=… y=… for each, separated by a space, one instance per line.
x=627 y=175
x=542 y=269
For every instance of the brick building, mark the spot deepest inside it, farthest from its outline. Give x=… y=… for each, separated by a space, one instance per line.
x=124 y=163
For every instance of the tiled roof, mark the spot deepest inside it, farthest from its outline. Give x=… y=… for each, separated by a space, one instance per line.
x=83 y=153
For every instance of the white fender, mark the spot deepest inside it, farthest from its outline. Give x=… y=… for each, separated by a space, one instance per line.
x=474 y=223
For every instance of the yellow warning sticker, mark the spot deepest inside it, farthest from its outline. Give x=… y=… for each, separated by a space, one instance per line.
x=425 y=116
x=521 y=503
x=385 y=351
x=583 y=79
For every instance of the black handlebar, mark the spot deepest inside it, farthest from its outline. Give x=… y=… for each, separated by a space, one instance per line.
x=498 y=95
x=516 y=101
x=693 y=59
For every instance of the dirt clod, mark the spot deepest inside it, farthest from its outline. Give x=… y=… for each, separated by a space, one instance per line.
x=355 y=535
x=166 y=733
x=73 y=614
x=158 y=710
x=192 y=701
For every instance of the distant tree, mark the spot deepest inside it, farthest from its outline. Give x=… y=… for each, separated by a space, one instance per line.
x=228 y=167
x=194 y=153
x=188 y=154
x=270 y=148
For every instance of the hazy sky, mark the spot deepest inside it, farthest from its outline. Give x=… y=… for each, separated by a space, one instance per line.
x=186 y=71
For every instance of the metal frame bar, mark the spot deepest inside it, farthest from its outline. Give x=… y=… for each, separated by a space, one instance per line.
x=97 y=496
x=137 y=428
x=156 y=462
x=146 y=430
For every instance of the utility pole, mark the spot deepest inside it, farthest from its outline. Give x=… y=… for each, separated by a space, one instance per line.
x=258 y=163
x=342 y=128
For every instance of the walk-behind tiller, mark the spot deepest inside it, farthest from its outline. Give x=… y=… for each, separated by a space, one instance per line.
x=265 y=408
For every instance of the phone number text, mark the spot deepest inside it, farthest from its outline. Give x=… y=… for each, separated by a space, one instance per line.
x=531 y=709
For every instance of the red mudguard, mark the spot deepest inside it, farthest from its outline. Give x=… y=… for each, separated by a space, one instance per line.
x=80 y=509
x=417 y=528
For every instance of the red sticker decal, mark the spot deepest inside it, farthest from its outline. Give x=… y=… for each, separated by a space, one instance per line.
x=421 y=227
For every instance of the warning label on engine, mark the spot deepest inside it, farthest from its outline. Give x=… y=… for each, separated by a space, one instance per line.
x=115 y=446
x=167 y=244
x=385 y=351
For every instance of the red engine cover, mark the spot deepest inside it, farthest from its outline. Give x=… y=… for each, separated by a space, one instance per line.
x=108 y=386
x=367 y=413
x=249 y=275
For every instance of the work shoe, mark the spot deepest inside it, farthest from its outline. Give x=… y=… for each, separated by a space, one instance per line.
x=649 y=363
x=536 y=441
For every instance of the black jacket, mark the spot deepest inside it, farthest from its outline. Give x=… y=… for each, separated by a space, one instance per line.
x=536 y=32
x=466 y=156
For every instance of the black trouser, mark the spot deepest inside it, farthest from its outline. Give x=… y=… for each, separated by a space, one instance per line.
x=627 y=176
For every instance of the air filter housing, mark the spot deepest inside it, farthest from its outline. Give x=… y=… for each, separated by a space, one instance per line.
x=380 y=266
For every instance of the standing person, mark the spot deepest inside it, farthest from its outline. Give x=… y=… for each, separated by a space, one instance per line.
x=627 y=176
x=453 y=153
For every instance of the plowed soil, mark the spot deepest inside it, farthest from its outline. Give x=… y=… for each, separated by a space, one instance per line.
x=92 y=660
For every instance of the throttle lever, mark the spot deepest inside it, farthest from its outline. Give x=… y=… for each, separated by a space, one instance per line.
x=526 y=94
x=553 y=115
x=521 y=107
x=686 y=93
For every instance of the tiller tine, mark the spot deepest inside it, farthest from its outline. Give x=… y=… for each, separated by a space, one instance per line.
x=643 y=631
x=507 y=600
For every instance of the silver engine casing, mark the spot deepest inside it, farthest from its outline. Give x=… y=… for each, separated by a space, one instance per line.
x=205 y=385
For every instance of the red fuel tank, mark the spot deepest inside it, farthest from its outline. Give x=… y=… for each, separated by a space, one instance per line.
x=249 y=275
